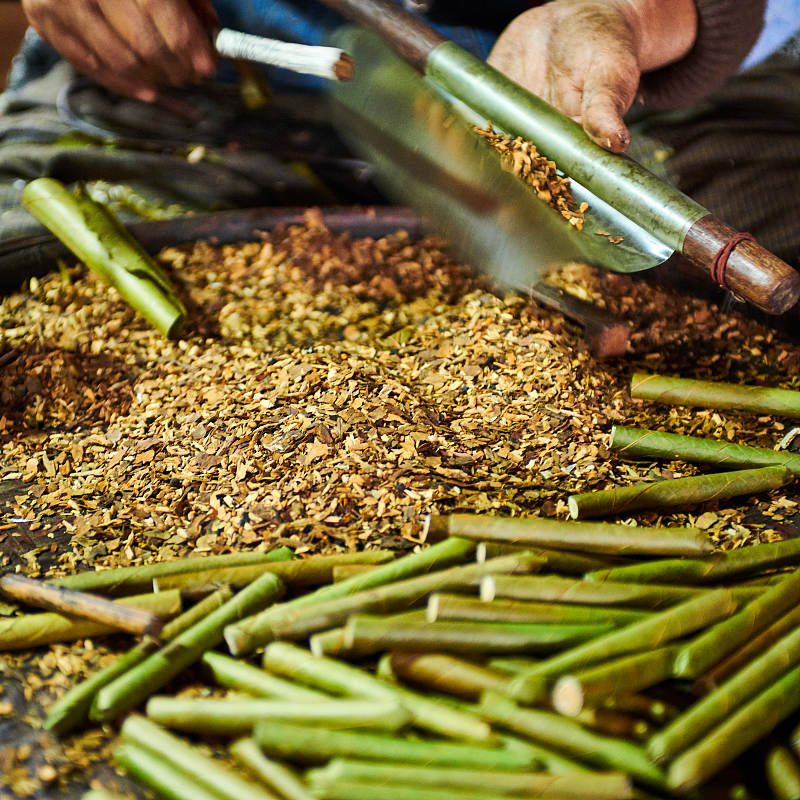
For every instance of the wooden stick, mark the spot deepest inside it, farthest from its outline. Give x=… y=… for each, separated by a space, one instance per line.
x=80 y=604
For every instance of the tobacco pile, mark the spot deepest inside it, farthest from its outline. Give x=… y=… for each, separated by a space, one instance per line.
x=521 y=158
x=327 y=394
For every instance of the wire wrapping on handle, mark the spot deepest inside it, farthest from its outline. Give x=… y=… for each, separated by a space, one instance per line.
x=719 y=265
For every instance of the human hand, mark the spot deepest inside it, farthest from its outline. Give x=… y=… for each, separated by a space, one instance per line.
x=585 y=57
x=130 y=46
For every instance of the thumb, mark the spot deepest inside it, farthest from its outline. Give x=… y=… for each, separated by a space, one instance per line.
x=607 y=95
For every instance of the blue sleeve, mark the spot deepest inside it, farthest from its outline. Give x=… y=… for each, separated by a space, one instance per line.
x=781 y=23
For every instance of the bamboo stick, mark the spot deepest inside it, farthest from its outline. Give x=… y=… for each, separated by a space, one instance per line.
x=709 y=712
x=716 y=395
x=736 y=733
x=677 y=492
x=589 y=537
x=236 y=716
x=374 y=634
x=98 y=239
x=655 y=631
x=565 y=563
x=589 y=786
x=244 y=677
x=298 y=743
x=275 y=775
x=130 y=580
x=725 y=566
x=712 y=645
x=210 y=774
x=72 y=709
x=568 y=736
x=302 y=621
x=617 y=677
x=461 y=608
x=744 y=655
x=447 y=674
x=638 y=443
x=783 y=773
x=338 y=678
x=544 y=758
x=551 y=589
x=299 y=573
x=250 y=633
x=113 y=615
x=34 y=630
x=154 y=772
x=128 y=690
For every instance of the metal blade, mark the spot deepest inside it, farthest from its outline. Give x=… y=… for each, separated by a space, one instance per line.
x=426 y=155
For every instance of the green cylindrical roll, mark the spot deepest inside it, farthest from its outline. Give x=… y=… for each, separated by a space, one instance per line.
x=589 y=537
x=373 y=634
x=244 y=677
x=129 y=580
x=639 y=443
x=97 y=237
x=615 y=678
x=304 y=744
x=462 y=608
x=720 y=567
x=715 y=394
x=237 y=716
x=677 y=492
x=588 y=785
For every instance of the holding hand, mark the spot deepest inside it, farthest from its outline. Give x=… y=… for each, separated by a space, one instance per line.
x=130 y=46
x=585 y=57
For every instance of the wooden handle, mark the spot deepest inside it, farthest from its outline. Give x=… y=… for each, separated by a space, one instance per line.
x=408 y=35
x=751 y=272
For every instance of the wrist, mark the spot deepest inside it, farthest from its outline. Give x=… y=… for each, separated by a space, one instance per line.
x=664 y=31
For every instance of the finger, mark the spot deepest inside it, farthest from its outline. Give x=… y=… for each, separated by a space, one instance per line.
x=183 y=34
x=78 y=53
x=143 y=38
x=206 y=13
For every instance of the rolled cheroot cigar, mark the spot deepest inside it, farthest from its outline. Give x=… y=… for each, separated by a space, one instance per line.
x=588 y=537
x=80 y=604
x=677 y=492
x=324 y=62
x=715 y=394
x=589 y=785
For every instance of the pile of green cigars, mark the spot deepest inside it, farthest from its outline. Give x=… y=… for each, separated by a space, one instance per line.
x=750 y=470
x=491 y=663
